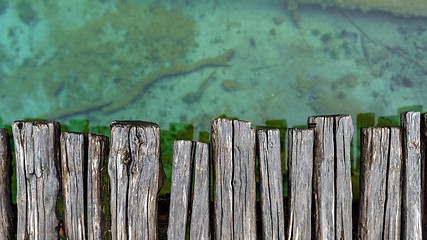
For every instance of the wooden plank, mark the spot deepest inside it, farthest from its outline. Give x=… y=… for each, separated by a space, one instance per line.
x=234 y=181
x=412 y=191
x=373 y=181
x=343 y=131
x=332 y=176
x=271 y=184
x=37 y=161
x=73 y=164
x=300 y=172
x=200 y=223
x=96 y=187
x=424 y=170
x=180 y=188
x=7 y=230
x=392 y=220
x=136 y=176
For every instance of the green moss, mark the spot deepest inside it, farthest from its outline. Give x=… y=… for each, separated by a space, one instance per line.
x=413 y=108
x=388 y=121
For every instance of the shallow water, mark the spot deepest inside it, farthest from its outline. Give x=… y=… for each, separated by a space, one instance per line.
x=102 y=61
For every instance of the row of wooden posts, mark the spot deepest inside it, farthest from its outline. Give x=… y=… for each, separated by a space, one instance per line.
x=69 y=169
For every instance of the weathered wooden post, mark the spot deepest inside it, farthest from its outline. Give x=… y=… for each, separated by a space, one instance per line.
x=136 y=176
x=73 y=165
x=96 y=188
x=300 y=169
x=380 y=183
x=233 y=144
x=412 y=180
x=271 y=184
x=332 y=176
x=186 y=154
x=7 y=230
x=37 y=162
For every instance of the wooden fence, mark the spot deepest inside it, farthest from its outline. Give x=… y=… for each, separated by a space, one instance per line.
x=68 y=170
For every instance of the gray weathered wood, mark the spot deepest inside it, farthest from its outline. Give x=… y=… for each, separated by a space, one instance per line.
x=392 y=220
x=379 y=216
x=37 y=162
x=97 y=159
x=136 y=176
x=73 y=164
x=180 y=188
x=271 y=184
x=300 y=169
x=332 y=176
x=200 y=223
x=7 y=230
x=412 y=191
x=234 y=179
x=343 y=131
x=424 y=170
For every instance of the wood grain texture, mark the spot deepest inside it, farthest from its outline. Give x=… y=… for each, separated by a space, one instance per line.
x=343 y=131
x=300 y=170
x=332 y=176
x=380 y=201
x=7 y=224
x=96 y=188
x=182 y=161
x=136 y=176
x=233 y=145
x=373 y=181
x=392 y=220
x=200 y=222
x=412 y=190
x=73 y=164
x=271 y=184
x=37 y=162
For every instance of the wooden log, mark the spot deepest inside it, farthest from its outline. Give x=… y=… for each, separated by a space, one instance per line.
x=7 y=226
x=300 y=170
x=332 y=176
x=412 y=191
x=180 y=188
x=136 y=176
x=271 y=184
x=37 y=161
x=380 y=203
x=73 y=164
x=200 y=223
x=234 y=179
x=96 y=187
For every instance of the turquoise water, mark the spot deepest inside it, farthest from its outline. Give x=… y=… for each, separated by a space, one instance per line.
x=191 y=61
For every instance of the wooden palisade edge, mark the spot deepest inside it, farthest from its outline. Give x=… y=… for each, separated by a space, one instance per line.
x=7 y=230
x=200 y=224
x=300 y=167
x=136 y=176
x=271 y=185
x=233 y=144
x=73 y=164
x=180 y=188
x=380 y=199
x=412 y=191
x=97 y=159
x=332 y=176
x=37 y=162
